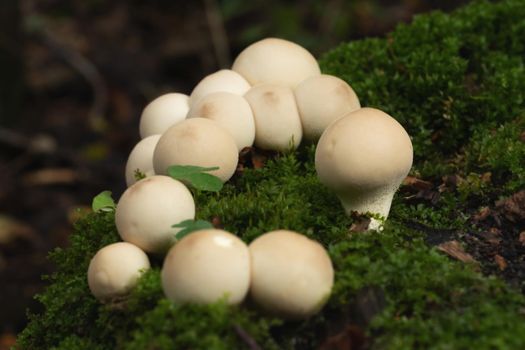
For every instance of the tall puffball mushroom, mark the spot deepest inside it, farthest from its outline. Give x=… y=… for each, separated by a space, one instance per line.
x=231 y=111
x=276 y=61
x=205 y=266
x=163 y=112
x=147 y=210
x=364 y=157
x=115 y=270
x=321 y=100
x=141 y=159
x=224 y=80
x=292 y=275
x=197 y=141
x=277 y=121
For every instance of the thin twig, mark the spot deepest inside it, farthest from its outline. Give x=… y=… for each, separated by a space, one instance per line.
x=246 y=338
x=77 y=61
x=90 y=73
x=218 y=34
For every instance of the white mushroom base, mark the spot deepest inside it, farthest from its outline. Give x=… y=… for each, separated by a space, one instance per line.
x=375 y=201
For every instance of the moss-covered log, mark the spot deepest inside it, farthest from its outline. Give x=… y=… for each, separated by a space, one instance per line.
x=456 y=82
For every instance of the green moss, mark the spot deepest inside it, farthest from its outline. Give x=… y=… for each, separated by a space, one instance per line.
x=501 y=151
x=442 y=75
x=456 y=83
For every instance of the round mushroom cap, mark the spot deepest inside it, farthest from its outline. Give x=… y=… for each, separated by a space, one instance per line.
x=163 y=112
x=147 y=210
x=141 y=159
x=292 y=275
x=231 y=111
x=364 y=149
x=205 y=266
x=321 y=100
x=115 y=270
x=200 y=142
x=224 y=80
x=277 y=121
x=276 y=61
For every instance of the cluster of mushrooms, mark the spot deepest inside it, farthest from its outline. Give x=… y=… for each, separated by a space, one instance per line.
x=272 y=98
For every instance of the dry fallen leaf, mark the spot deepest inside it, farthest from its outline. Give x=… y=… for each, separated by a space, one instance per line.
x=416 y=183
x=522 y=238
x=351 y=337
x=456 y=251
x=77 y=212
x=492 y=236
x=12 y=229
x=502 y=263
x=50 y=176
x=7 y=340
x=512 y=208
x=482 y=214
x=258 y=159
x=217 y=222
x=360 y=223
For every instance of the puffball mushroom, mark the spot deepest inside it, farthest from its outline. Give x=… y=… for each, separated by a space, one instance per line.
x=115 y=270
x=231 y=111
x=321 y=100
x=147 y=210
x=276 y=61
x=163 y=112
x=205 y=266
x=224 y=80
x=197 y=141
x=364 y=157
x=141 y=159
x=277 y=121
x=292 y=275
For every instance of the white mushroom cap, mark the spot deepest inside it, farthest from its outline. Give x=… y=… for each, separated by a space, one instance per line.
x=321 y=100
x=231 y=111
x=115 y=270
x=277 y=120
x=292 y=275
x=276 y=61
x=147 y=210
x=141 y=158
x=197 y=141
x=224 y=80
x=364 y=157
x=205 y=266
x=163 y=112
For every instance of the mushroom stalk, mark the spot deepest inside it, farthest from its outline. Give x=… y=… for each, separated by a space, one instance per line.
x=377 y=201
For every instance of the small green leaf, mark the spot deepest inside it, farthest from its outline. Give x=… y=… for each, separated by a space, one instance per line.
x=103 y=202
x=188 y=226
x=196 y=176
x=139 y=175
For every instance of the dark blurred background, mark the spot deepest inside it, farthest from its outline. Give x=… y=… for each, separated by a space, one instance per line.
x=75 y=75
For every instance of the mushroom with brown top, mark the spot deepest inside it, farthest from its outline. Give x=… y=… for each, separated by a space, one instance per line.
x=163 y=112
x=364 y=156
x=206 y=266
x=276 y=61
x=231 y=111
x=277 y=121
x=321 y=100
x=147 y=210
x=115 y=270
x=292 y=275
x=224 y=80
x=141 y=159
x=200 y=142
